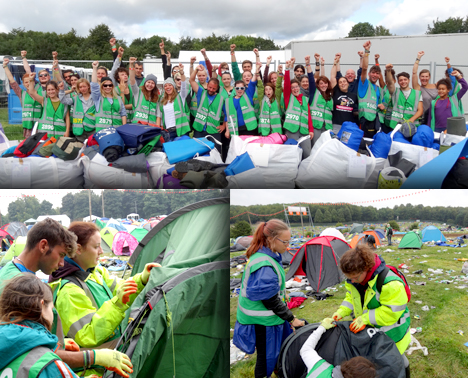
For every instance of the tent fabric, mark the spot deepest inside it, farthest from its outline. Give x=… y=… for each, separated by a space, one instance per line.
x=318 y=259
x=333 y=232
x=4 y=234
x=410 y=240
x=374 y=234
x=340 y=344
x=139 y=233
x=15 y=250
x=124 y=243
x=356 y=228
x=100 y=223
x=115 y=224
x=380 y=232
x=16 y=229
x=244 y=241
x=191 y=246
x=107 y=234
x=360 y=238
x=432 y=233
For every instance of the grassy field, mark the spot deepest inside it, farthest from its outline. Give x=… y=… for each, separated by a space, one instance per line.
x=448 y=357
x=13 y=132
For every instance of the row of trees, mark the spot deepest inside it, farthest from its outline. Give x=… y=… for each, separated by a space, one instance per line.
x=95 y=46
x=117 y=204
x=352 y=213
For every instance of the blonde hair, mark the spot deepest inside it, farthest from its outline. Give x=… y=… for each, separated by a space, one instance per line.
x=114 y=91
x=169 y=97
x=82 y=80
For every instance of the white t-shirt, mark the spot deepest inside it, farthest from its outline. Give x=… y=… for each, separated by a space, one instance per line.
x=169 y=116
x=408 y=92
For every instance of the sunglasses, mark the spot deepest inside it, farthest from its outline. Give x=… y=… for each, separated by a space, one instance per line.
x=178 y=79
x=240 y=88
x=43 y=75
x=107 y=85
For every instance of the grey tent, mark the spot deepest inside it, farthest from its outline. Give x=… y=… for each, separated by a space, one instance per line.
x=318 y=259
x=356 y=228
x=16 y=229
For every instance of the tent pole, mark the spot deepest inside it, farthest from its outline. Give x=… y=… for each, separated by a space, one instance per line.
x=302 y=223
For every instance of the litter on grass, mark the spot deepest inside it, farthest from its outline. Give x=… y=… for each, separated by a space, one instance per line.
x=417 y=346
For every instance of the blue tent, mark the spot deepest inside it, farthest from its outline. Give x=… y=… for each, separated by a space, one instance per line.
x=432 y=233
x=380 y=232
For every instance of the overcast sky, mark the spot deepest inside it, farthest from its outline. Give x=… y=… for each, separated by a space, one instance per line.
x=280 y=20
x=426 y=198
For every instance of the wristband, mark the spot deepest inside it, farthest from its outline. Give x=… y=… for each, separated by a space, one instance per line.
x=377 y=64
x=232 y=53
x=317 y=69
x=85 y=362
x=417 y=59
x=308 y=65
x=366 y=51
x=317 y=64
x=292 y=320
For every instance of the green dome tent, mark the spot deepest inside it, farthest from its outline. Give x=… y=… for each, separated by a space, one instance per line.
x=356 y=228
x=410 y=240
x=107 y=237
x=192 y=247
x=139 y=233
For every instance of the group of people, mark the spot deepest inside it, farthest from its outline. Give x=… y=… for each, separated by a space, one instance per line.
x=69 y=327
x=299 y=101
x=264 y=320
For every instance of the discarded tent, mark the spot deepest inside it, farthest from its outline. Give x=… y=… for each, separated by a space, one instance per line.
x=139 y=233
x=339 y=344
x=178 y=322
x=373 y=233
x=107 y=236
x=318 y=259
x=5 y=235
x=432 y=233
x=380 y=232
x=410 y=240
x=333 y=232
x=360 y=238
x=356 y=228
x=124 y=243
x=15 y=229
x=288 y=256
x=15 y=250
x=244 y=241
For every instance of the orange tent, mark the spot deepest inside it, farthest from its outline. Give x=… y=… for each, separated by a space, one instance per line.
x=360 y=239
x=374 y=234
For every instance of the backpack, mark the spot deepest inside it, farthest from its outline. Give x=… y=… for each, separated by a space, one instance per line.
x=390 y=232
x=383 y=274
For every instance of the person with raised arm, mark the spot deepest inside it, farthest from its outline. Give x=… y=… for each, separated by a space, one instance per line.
x=350 y=75
x=124 y=90
x=406 y=102
x=428 y=90
x=370 y=96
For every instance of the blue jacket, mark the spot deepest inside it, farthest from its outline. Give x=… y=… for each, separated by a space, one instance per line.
x=17 y=339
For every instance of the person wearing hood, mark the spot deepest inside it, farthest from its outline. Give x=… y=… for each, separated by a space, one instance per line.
x=27 y=346
x=172 y=116
x=387 y=310
x=146 y=97
x=91 y=303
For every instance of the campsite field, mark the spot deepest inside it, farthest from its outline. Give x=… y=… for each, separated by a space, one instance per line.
x=448 y=356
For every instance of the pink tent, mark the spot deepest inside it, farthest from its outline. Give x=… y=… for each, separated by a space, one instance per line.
x=124 y=243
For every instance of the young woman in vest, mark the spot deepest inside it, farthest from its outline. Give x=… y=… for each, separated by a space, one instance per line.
x=406 y=103
x=428 y=91
x=345 y=103
x=91 y=302
x=210 y=104
x=146 y=97
x=55 y=118
x=31 y=109
x=26 y=344
x=172 y=117
x=109 y=109
x=239 y=112
x=389 y=309
x=43 y=75
x=80 y=99
x=124 y=90
x=262 y=312
x=317 y=367
x=270 y=110
x=298 y=120
x=456 y=87
x=445 y=106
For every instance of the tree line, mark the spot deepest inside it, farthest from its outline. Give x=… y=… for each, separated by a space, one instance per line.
x=117 y=204
x=95 y=46
x=352 y=213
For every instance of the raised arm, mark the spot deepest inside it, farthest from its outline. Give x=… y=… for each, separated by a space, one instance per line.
x=317 y=65
x=94 y=74
x=267 y=70
x=32 y=91
x=365 y=61
x=116 y=64
x=163 y=58
x=381 y=79
x=193 y=82
x=463 y=83
x=312 y=85
x=235 y=67
x=255 y=75
x=278 y=84
x=209 y=66
x=414 y=75
x=334 y=69
x=183 y=85
x=322 y=66
x=287 y=84
x=389 y=78
x=25 y=62
x=8 y=74
x=131 y=71
x=451 y=77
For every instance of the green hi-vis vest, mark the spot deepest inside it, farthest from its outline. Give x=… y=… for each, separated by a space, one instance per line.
x=270 y=118
x=181 y=118
x=255 y=312
x=297 y=115
x=128 y=102
x=453 y=105
x=145 y=111
x=460 y=103
x=404 y=108
x=29 y=364
x=368 y=104
x=322 y=369
x=107 y=116
x=52 y=121
x=77 y=116
x=399 y=329
x=193 y=102
x=31 y=112
x=209 y=114
x=387 y=101
x=248 y=113
x=321 y=111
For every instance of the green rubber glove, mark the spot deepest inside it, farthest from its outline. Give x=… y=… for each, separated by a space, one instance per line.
x=327 y=323
x=147 y=271
x=113 y=360
x=128 y=288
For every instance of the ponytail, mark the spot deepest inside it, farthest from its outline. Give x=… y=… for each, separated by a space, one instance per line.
x=265 y=230
x=357 y=260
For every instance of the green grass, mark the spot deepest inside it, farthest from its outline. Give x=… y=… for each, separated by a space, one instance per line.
x=13 y=132
x=448 y=357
